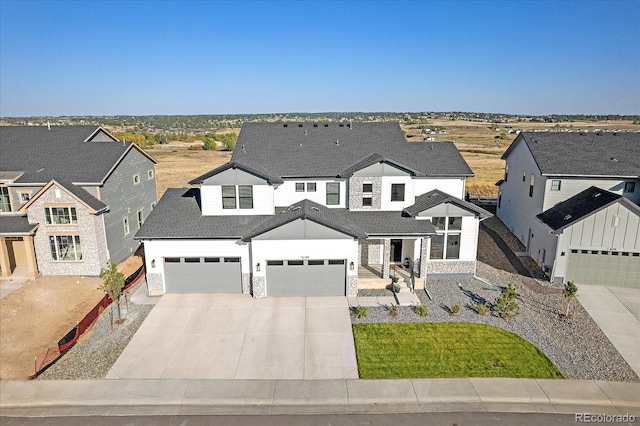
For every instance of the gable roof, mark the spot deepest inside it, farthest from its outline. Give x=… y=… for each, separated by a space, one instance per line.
x=331 y=149
x=437 y=197
x=89 y=201
x=308 y=210
x=371 y=160
x=65 y=153
x=581 y=205
x=236 y=165
x=583 y=154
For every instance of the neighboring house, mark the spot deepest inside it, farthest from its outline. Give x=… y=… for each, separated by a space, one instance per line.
x=553 y=198
x=71 y=198
x=304 y=209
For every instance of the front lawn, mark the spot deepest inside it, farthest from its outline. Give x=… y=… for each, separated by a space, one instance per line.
x=429 y=350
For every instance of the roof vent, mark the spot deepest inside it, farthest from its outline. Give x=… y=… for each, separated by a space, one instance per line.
x=316 y=209
x=295 y=208
x=614 y=159
x=299 y=144
x=341 y=124
x=315 y=124
x=567 y=217
x=596 y=195
x=300 y=125
x=285 y=125
x=338 y=142
x=326 y=125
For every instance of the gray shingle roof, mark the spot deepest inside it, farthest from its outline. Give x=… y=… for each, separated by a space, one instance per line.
x=15 y=225
x=437 y=197
x=59 y=153
x=583 y=154
x=83 y=195
x=178 y=215
x=329 y=149
x=581 y=205
x=258 y=171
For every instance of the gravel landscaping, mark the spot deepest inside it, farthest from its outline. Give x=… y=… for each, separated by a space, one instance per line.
x=577 y=347
x=98 y=350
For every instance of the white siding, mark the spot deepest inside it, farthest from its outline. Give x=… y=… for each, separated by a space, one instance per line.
x=158 y=249
x=386 y=203
x=452 y=186
x=263 y=250
x=285 y=194
x=572 y=186
x=469 y=238
x=598 y=232
x=211 y=199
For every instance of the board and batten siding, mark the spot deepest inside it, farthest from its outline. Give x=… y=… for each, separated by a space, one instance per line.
x=570 y=186
x=600 y=231
x=125 y=198
x=285 y=194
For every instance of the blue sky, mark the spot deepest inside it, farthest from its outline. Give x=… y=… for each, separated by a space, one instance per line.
x=153 y=57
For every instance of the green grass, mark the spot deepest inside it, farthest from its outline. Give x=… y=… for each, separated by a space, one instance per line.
x=421 y=350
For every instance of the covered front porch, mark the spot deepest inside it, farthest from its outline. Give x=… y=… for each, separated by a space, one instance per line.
x=17 y=252
x=381 y=258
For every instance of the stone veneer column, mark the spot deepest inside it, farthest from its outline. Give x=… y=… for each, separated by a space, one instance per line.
x=4 y=258
x=386 y=254
x=352 y=285
x=259 y=287
x=422 y=273
x=154 y=284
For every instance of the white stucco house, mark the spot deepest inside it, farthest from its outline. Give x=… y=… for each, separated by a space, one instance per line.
x=572 y=199
x=304 y=209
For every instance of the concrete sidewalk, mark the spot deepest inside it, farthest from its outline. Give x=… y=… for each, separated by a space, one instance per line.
x=193 y=397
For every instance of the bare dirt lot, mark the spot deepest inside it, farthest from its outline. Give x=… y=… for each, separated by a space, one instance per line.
x=34 y=317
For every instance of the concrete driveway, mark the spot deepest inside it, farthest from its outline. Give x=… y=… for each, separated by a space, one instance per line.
x=202 y=336
x=616 y=310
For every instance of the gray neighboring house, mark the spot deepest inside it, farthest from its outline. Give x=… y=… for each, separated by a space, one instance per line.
x=71 y=198
x=315 y=209
x=572 y=199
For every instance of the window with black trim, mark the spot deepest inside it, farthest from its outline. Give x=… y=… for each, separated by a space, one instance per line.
x=555 y=185
x=24 y=197
x=140 y=216
x=506 y=171
x=299 y=186
x=150 y=174
x=228 y=196
x=532 y=181
x=245 y=196
x=446 y=244
x=367 y=188
x=125 y=225
x=333 y=193
x=311 y=187
x=367 y=201
x=397 y=192
x=629 y=187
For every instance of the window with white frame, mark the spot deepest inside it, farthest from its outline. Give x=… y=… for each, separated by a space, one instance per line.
x=136 y=179
x=125 y=225
x=556 y=184
x=150 y=174
x=60 y=215
x=446 y=244
x=65 y=247
x=5 y=202
x=140 y=215
x=25 y=196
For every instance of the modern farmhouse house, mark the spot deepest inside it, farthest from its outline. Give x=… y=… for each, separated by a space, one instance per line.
x=71 y=198
x=572 y=199
x=306 y=208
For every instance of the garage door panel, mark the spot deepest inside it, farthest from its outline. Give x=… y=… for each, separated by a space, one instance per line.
x=314 y=277
x=203 y=275
x=612 y=268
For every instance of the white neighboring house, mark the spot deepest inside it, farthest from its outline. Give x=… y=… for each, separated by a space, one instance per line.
x=307 y=209
x=572 y=199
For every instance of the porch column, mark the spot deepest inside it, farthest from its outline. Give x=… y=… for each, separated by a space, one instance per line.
x=423 y=258
x=30 y=252
x=4 y=258
x=386 y=254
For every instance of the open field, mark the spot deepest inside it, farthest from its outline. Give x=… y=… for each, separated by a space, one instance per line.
x=433 y=350
x=481 y=144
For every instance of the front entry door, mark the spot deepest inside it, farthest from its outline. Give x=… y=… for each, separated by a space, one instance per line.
x=396 y=250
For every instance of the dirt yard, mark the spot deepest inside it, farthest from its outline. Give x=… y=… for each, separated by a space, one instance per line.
x=34 y=317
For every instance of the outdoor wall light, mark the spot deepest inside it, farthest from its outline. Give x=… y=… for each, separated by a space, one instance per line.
x=351 y=266
x=153 y=263
x=258 y=267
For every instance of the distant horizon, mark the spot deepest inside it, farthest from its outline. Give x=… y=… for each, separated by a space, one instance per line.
x=145 y=58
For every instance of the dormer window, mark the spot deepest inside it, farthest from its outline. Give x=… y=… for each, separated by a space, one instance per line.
x=244 y=198
x=629 y=187
x=228 y=197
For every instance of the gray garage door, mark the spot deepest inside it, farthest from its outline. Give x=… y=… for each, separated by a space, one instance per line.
x=202 y=274
x=613 y=268
x=309 y=277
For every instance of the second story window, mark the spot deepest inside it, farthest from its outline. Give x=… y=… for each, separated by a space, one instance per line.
x=629 y=187
x=333 y=193
x=367 y=194
x=24 y=197
x=446 y=244
x=125 y=225
x=506 y=171
x=245 y=196
x=60 y=215
x=397 y=192
x=5 y=203
x=555 y=185
x=299 y=186
x=228 y=197
x=140 y=216
x=136 y=179
x=311 y=187
x=531 y=183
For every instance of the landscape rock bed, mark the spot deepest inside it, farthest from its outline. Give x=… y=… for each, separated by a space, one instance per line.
x=94 y=354
x=577 y=347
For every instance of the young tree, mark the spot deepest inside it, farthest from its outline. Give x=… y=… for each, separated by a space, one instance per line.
x=569 y=293
x=506 y=305
x=112 y=283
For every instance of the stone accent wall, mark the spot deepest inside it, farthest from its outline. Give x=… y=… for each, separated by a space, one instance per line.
x=246 y=283
x=423 y=258
x=154 y=284
x=450 y=267
x=259 y=288
x=90 y=228
x=355 y=192
x=369 y=252
x=386 y=252
x=352 y=285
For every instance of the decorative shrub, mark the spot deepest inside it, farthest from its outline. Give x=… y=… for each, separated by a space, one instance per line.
x=506 y=305
x=481 y=308
x=455 y=309
x=361 y=311
x=393 y=310
x=422 y=310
